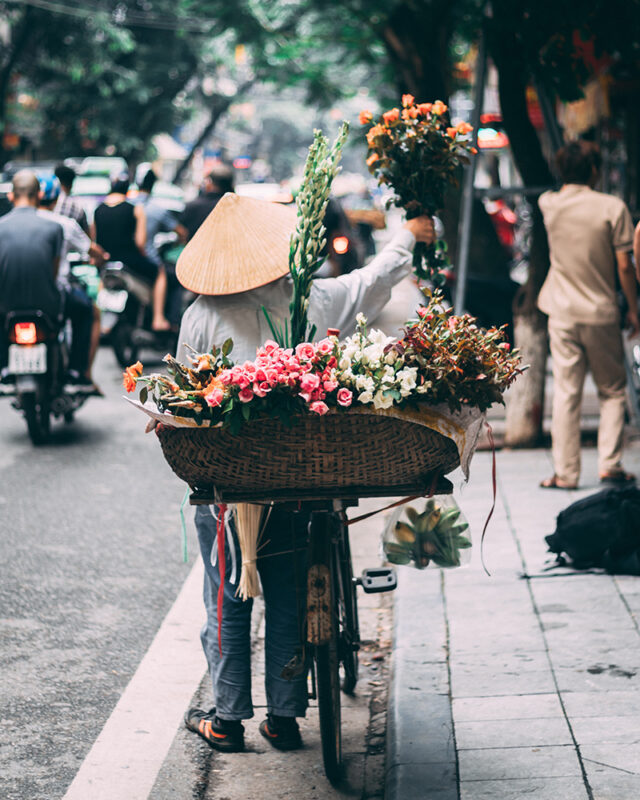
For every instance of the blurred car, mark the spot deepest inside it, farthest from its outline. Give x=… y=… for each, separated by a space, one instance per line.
x=273 y=192
x=102 y=166
x=90 y=191
x=165 y=194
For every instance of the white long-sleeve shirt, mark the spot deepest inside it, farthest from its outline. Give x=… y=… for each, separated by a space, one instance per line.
x=333 y=303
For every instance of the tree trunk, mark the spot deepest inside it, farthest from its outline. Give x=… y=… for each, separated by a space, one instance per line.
x=219 y=104
x=526 y=400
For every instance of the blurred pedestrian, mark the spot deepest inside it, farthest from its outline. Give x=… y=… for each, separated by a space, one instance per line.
x=216 y=184
x=121 y=229
x=67 y=205
x=590 y=241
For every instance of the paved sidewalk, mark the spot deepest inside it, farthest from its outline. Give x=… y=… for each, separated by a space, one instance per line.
x=507 y=687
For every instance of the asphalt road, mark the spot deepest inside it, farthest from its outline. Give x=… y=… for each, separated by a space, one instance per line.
x=90 y=563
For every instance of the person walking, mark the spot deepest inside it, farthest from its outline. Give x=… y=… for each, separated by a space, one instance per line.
x=590 y=240
x=238 y=264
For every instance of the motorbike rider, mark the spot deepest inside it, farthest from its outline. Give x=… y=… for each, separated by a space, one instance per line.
x=160 y=220
x=75 y=240
x=217 y=183
x=30 y=248
x=65 y=204
x=120 y=227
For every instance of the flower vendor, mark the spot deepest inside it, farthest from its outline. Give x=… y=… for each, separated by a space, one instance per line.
x=238 y=265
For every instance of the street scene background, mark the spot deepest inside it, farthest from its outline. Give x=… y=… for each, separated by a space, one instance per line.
x=518 y=683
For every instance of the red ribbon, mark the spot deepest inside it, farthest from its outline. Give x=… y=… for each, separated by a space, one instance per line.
x=222 y=568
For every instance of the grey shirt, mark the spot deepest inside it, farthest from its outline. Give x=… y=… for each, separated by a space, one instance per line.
x=29 y=246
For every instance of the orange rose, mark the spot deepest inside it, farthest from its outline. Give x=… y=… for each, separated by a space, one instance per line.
x=451 y=132
x=409 y=113
x=424 y=108
x=391 y=116
x=129 y=381
x=439 y=108
x=377 y=130
x=365 y=117
x=130 y=374
x=464 y=128
x=372 y=159
x=408 y=100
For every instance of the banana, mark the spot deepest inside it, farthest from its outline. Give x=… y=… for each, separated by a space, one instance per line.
x=405 y=533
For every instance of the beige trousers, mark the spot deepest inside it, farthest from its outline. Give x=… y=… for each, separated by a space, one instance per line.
x=574 y=349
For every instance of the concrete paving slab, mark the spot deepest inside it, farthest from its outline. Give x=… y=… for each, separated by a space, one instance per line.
x=518 y=762
x=531 y=706
x=608 y=784
x=606 y=730
x=470 y=681
x=538 y=788
x=602 y=704
x=624 y=756
x=512 y=733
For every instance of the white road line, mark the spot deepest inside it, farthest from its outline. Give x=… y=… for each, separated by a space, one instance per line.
x=130 y=750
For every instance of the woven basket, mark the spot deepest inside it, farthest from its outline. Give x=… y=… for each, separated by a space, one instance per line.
x=339 y=454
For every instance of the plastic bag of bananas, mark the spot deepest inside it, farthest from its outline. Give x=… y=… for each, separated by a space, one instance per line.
x=438 y=535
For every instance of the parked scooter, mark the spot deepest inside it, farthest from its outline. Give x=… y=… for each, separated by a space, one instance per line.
x=34 y=378
x=125 y=303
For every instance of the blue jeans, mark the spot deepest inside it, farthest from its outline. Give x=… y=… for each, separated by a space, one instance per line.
x=282 y=569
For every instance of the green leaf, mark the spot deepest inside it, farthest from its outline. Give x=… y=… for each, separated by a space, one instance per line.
x=227 y=347
x=246 y=411
x=144 y=393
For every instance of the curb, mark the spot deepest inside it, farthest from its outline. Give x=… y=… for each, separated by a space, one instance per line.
x=421 y=760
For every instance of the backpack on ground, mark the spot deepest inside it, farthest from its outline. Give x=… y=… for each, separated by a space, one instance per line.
x=602 y=530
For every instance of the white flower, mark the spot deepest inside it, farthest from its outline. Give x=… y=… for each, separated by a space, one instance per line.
x=365 y=397
x=391 y=357
x=345 y=364
x=365 y=382
x=422 y=389
x=407 y=378
x=389 y=375
x=373 y=354
x=382 y=400
x=361 y=319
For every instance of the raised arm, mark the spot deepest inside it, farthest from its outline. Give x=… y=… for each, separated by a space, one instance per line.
x=335 y=302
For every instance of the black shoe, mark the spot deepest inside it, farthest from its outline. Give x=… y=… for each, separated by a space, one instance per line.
x=221 y=734
x=281 y=732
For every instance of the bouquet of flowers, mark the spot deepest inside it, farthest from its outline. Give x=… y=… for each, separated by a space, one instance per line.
x=440 y=358
x=417 y=154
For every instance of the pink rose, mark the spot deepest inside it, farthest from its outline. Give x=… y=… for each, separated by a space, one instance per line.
x=259 y=389
x=214 y=397
x=272 y=376
x=249 y=367
x=422 y=312
x=270 y=346
x=246 y=395
x=330 y=385
x=226 y=377
x=305 y=350
x=309 y=382
x=345 y=397
x=318 y=407
x=260 y=375
x=325 y=347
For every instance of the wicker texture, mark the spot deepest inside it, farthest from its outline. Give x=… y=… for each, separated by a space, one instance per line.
x=335 y=451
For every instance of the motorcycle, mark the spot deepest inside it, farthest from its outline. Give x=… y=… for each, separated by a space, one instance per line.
x=125 y=303
x=38 y=358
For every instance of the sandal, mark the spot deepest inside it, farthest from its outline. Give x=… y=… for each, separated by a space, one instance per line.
x=555 y=483
x=619 y=477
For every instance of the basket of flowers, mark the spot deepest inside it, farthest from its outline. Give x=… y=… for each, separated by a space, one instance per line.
x=364 y=415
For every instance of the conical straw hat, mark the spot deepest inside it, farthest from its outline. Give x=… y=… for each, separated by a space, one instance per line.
x=242 y=244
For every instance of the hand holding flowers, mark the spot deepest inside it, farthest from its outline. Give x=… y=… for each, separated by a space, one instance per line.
x=415 y=153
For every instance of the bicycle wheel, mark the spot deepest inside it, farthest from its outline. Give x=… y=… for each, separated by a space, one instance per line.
x=347 y=612
x=326 y=653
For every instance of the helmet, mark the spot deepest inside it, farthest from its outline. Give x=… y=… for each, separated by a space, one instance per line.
x=50 y=188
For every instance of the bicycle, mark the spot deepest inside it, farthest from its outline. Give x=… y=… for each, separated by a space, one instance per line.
x=331 y=613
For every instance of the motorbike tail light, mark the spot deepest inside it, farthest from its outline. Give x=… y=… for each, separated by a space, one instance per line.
x=25 y=333
x=341 y=245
